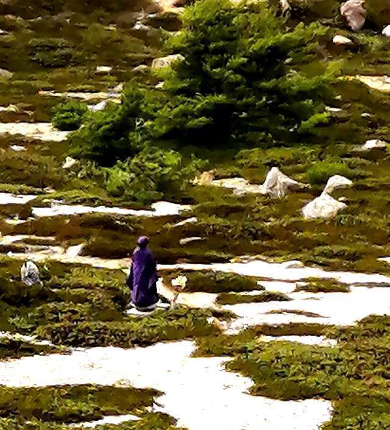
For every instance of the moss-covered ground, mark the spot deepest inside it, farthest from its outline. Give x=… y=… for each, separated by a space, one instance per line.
x=82 y=307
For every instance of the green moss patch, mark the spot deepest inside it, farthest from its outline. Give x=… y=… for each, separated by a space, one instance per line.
x=323 y=286
x=209 y=281
x=266 y=296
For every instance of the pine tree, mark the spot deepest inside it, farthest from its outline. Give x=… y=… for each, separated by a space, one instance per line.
x=245 y=77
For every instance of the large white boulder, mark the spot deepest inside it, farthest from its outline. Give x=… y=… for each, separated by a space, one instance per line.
x=355 y=14
x=159 y=63
x=277 y=184
x=323 y=206
x=337 y=182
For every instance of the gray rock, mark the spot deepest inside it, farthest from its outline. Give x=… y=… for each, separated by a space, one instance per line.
x=30 y=274
x=5 y=74
x=323 y=206
x=355 y=14
x=161 y=62
x=277 y=184
x=337 y=182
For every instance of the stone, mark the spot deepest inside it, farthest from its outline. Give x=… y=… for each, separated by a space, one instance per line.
x=374 y=144
x=206 y=178
x=341 y=40
x=142 y=68
x=285 y=7
x=324 y=206
x=277 y=184
x=5 y=74
x=192 y=220
x=355 y=14
x=101 y=70
x=386 y=31
x=69 y=163
x=161 y=62
x=337 y=182
x=29 y=274
x=98 y=107
x=188 y=240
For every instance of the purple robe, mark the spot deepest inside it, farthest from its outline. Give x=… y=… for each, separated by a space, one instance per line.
x=143 y=278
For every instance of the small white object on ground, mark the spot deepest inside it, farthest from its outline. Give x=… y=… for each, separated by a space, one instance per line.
x=103 y=69
x=188 y=240
x=337 y=182
x=374 y=144
x=386 y=31
x=98 y=107
x=323 y=206
x=69 y=163
x=18 y=148
x=342 y=40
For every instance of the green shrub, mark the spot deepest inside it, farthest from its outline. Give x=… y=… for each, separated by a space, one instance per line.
x=113 y=133
x=51 y=52
x=69 y=116
x=151 y=175
x=244 y=77
x=209 y=281
x=266 y=296
x=320 y=172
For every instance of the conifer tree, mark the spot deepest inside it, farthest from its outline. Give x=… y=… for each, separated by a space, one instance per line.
x=245 y=77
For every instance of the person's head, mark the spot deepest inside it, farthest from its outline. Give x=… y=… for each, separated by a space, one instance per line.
x=143 y=242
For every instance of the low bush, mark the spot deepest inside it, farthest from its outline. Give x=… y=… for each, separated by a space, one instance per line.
x=320 y=172
x=69 y=116
x=209 y=281
x=151 y=175
x=266 y=296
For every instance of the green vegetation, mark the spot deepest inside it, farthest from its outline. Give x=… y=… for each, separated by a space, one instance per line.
x=69 y=115
x=209 y=281
x=323 y=286
x=354 y=374
x=266 y=296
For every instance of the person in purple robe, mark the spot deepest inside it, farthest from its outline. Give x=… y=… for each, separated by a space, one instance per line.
x=142 y=279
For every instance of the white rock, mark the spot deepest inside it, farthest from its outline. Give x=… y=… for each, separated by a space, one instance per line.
x=159 y=63
x=98 y=107
x=187 y=240
x=103 y=69
x=277 y=184
x=69 y=163
x=192 y=220
x=284 y=6
x=386 y=31
x=323 y=206
x=18 y=148
x=337 y=182
x=355 y=14
x=30 y=274
x=5 y=74
x=342 y=40
x=206 y=178
x=374 y=144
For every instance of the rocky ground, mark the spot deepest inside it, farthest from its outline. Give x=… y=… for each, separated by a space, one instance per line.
x=285 y=318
